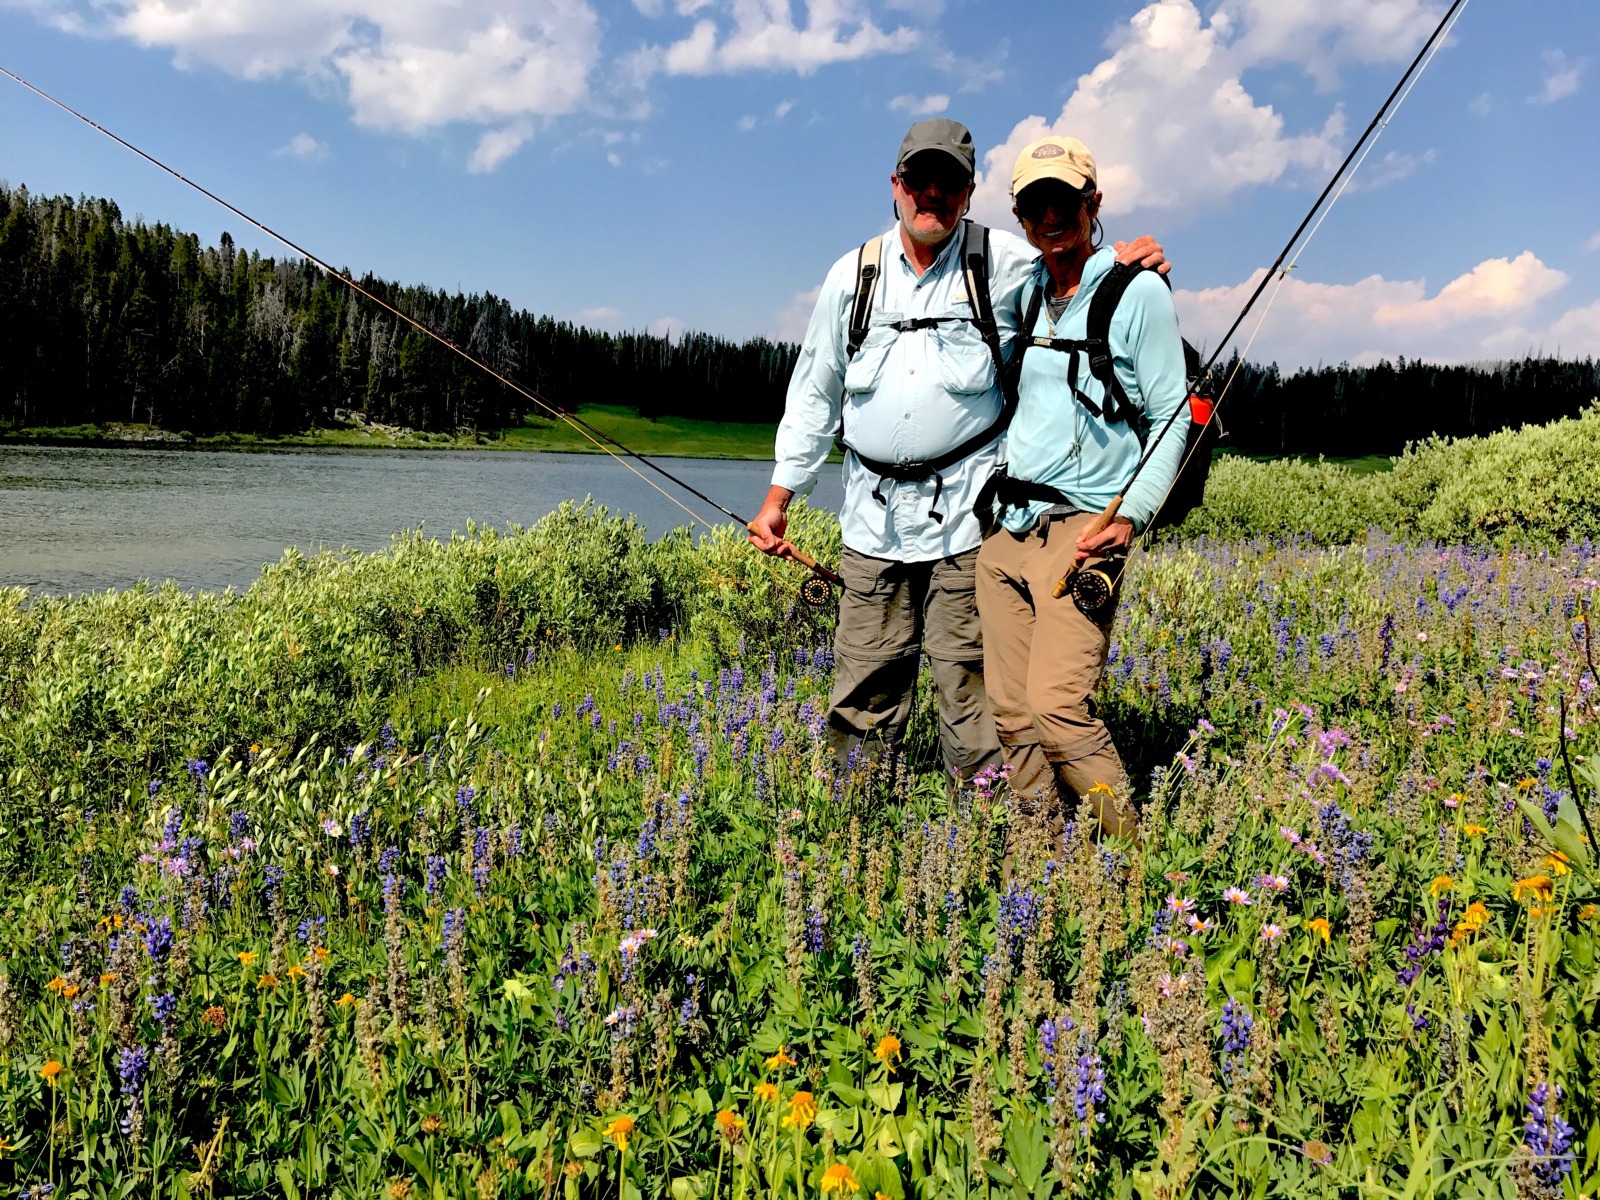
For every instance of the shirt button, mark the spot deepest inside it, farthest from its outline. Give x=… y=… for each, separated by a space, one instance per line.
x=908 y=416
x=911 y=371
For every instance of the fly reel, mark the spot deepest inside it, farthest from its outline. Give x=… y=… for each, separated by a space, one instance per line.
x=1094 y=590
x=816 y=592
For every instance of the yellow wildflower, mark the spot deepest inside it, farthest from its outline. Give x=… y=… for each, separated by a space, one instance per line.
x=766 y=1092
x=1103 y=789
x=1527 y=784
x=108 y=977
x=269 y=980
x=780 y=1060
x=1320 y=927
x=572 y=1170
x=1476 y=917
x=55 y=985
x=1441 y=883
x=888 y=1048
x=296 y=971
x=5 y=1144
x=50 y=1070
x=71 y=990
x=1539 y=887
x=345 y=1001
x=1474 y=830
x=1558 y=864
x=619 y=1131
x=246 y=957
x=1588 y=912
x=729 y=1123
x=802 y=1111
x=838 y=1178
x=320 y=953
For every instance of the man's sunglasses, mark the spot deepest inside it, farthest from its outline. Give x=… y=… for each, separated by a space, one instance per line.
x=916 y=178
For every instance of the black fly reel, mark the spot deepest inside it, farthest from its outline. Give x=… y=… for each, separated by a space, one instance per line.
x=816 y=592
x=1094 y=589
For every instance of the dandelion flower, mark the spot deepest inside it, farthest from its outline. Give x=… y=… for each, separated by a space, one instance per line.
x=619 y=1131
x=780 y=1060
x=888 y=1047
x=346 y=1001
x=1236 y=895
x=838 y=1178
x=246 y=957
x=1320 y=927
x=50 y=1070
x=1271 y=932
x=802 y=1111
x=766 y=1092
x=1537 y=887
x=1441 y=883
x=1474 y=830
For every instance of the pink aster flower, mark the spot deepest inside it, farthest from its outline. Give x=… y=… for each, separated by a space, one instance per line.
x=1235 y=895
x=1271 y=932
x=1180 y=904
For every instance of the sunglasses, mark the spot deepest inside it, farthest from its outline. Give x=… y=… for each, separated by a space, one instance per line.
x=1035 y=203
x=916 y=178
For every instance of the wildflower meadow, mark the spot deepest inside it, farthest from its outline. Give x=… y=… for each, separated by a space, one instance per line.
x=516 y=866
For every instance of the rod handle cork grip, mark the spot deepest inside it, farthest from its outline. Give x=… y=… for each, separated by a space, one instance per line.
x=1098 y=525
x=805 y=560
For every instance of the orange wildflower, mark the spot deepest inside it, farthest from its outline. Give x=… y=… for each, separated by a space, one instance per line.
x=619 y=1131
x=780 y=1060
x=888 y=1048
x=55 y=985
x=1441 y=883
x=50 y=1070
x=802 y=1111
x=838 y=1178
x=766 y=1092
x=1538 y=887
x=1320 y=927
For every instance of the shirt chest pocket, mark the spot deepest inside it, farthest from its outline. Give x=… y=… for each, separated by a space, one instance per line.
x=865 y=370
x=965 y=365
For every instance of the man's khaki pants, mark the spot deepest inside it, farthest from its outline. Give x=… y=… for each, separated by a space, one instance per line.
x=889 y=612
x=1042 y=660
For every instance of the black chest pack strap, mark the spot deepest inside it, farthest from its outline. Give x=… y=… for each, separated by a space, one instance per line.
x=975 y=271
x=1115 y=407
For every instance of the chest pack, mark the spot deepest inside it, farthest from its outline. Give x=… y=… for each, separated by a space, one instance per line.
x=975 y=271
x=1201 y=434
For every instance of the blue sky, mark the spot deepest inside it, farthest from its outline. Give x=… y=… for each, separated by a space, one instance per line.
x=700 y=163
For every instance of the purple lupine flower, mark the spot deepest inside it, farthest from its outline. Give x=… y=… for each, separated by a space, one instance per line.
x=1089 y=1092
x=158 y=938
x=482 y=860
x=455 y=920
x=165 y=1005
x=360 y=829
x=433 y=877
x=1548 y=1138
x=389 y=860
x=1236 y=1026
x=814 y=923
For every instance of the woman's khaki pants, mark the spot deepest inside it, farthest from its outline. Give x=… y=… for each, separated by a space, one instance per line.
x=1042 y=660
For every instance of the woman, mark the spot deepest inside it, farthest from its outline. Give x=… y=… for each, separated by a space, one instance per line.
x=1071 y=449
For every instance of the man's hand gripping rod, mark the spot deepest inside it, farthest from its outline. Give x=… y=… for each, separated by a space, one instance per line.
x=1095 y=527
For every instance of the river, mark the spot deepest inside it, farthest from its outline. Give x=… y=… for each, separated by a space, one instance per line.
x=74 y=520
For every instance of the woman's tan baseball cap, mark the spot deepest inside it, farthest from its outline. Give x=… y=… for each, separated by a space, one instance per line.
x=1062 y=158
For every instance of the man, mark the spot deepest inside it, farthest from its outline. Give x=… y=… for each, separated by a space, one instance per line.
x=921 y=386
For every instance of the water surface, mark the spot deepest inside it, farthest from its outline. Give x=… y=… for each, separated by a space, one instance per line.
x=74 y=520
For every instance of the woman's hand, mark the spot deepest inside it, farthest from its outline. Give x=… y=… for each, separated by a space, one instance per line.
x=1114 y=538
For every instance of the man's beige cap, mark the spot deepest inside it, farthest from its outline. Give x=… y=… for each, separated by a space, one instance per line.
x=1063 y=158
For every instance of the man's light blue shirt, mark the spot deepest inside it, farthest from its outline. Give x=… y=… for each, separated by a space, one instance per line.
x=1055 y=440
x=905 y=397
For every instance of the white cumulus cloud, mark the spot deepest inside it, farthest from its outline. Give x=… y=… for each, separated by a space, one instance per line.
x=920 y=106
x=304 y=147
x=750 y=35
x=1561 y=76
x=1484 y=313
x=601 y=314
x=1167 y=113
x=404 y=65
x=790 y=324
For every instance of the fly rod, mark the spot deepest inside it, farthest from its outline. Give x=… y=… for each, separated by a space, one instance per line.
x=815 y=589
x=1277 y=271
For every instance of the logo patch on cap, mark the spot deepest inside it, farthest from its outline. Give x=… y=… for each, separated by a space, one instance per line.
x=1049 y=150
